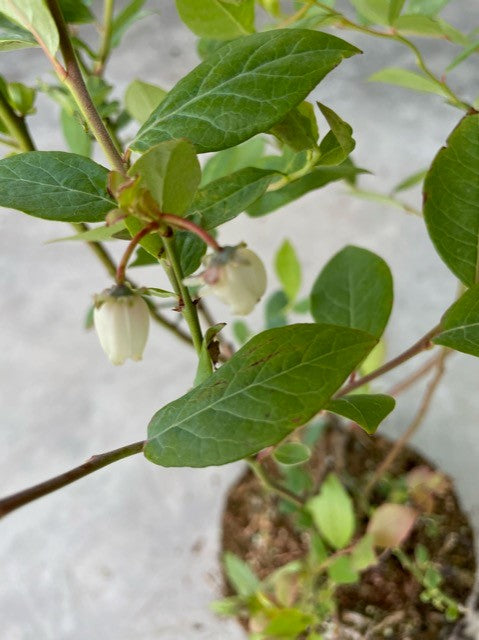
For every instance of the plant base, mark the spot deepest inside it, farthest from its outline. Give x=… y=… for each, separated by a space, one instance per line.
x=385 y=603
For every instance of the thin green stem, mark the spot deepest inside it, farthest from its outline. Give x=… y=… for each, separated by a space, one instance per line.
x=455 y=100
x=188 y=308
x=74 y=81
x=15 y=125
x=105 y=45
x=17 y=500
x=393 y=35
x=272 y=486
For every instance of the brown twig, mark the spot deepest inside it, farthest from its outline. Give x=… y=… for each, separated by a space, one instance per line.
x=407 y=382
x=421 y=345
x=412 y=428
x=74 y=81
x=17 y=500
x=120 y=271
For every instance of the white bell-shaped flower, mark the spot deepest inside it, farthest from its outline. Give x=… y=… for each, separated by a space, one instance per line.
x=235 y=275
x=121 y=320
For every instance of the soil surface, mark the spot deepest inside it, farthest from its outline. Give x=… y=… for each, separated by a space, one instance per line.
x=385 y=603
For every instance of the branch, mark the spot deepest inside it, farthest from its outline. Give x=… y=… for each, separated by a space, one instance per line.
x=17 y=500
x=413 y=427
x=75 y=83
x=421 y=345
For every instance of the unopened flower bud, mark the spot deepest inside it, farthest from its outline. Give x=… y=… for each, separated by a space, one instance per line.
x=235 y=275
x=121 y=319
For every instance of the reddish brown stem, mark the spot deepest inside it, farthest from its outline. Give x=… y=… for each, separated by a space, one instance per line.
x=412 y=428
x=421 y=345
x=120 y=272
x=17 y=500
x=188 y=225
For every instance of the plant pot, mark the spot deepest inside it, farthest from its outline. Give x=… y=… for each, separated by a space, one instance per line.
x=385 y=603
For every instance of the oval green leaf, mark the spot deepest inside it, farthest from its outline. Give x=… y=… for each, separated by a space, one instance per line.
x=366 y=410
x=292 y=453
x=451 y=201
x=355 y=289
x=460 y=324
x=35 y=17
x=56 y=186
x=333 y=513
x=217 y=19
x=245 y=88
x=277 y=382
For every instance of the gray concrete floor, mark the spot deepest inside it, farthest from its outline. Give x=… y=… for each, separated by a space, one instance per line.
x=131 y=551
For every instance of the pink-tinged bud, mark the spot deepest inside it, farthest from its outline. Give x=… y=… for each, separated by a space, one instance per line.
x=121 y=319
x=391 y=524
x=235 y=275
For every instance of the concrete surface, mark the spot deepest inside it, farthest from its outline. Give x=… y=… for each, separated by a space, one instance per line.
x=131 y=552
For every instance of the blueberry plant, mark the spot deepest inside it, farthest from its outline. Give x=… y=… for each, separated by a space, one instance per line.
x=246 y=105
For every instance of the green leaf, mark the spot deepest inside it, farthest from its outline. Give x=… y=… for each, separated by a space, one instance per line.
x=288 y=270
x=426 y=7
x=241 y=331
x=410 y=181
x=363 y=555
x=191 y=250
x=55 y=185
x=464 y=55
x=277 y=382
x=366 y=410
x=428 y=27
x=151 y=243
x=288 y=623
x=302 y=306
x=216 y=105
x=299 y=128
x=76 y=137
x=354 y=289
x=141 y=98
x=375 y=359
x=375 y=11
x=76 y=12
x=128 y=16
x=460 y=324
x=230 y=160
x=275 y=310
x=407 y=79
x=21 y=98
x=333 y=513
x=315 y=179
x=98 y=234
x=225 y=198
x=33 y=16
x=239 y=575
x=205 y=366
x=158 y=293
x=342 y=571
x=14 y=37
x=292 y=453
x=170 y=171
x=395 y=8
x=339 y=142
x=143 y=259
x=230 y=606
x=451 y=201
x=217 y=18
